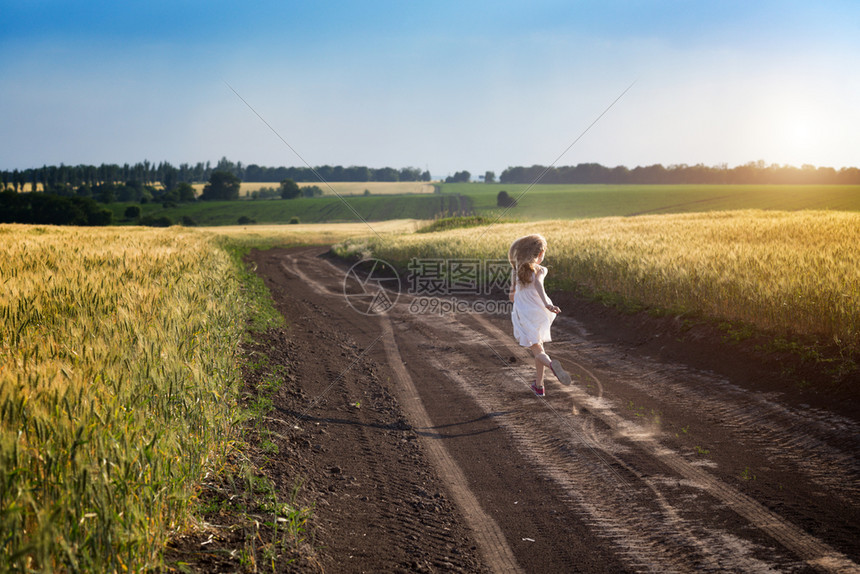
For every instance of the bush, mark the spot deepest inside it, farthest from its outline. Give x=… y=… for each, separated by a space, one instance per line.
x=132 y=212
x=188 y=221
x=245 y=220
x=294 y=220
x=153 y=221
x=505 y=200
x=312 y=191
x=447 y=223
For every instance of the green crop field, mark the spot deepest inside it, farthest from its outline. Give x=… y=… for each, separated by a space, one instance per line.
x=536 y=203
x=307 y=210
x=344 y=188
x=587 y=201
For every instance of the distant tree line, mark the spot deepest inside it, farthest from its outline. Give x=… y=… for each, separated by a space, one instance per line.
x=67 y=180
x=750 y=173
x=329 y=173
x=50 y=209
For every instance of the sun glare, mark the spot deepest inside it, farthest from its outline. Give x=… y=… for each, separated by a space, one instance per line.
x=796 y=129
x=799 y=130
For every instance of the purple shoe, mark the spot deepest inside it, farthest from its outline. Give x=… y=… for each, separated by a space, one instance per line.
x=538 y=390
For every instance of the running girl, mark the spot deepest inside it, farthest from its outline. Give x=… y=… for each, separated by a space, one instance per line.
x=533 y=311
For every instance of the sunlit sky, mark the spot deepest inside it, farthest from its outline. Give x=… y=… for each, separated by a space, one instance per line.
x=442 y=85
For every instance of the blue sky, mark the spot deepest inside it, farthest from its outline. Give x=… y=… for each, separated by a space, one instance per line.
x=445 y=86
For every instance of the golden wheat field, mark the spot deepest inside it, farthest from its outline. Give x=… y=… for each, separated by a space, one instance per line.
x=797 y=272
x=118 y=352
x=118 y=380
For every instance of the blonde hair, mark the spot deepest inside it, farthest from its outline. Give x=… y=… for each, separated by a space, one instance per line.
x=523 y=256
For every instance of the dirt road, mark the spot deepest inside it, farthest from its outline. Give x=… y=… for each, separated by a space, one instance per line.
x=423 y=449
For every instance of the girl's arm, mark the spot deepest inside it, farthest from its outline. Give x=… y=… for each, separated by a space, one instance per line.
x=513 y=286
x=542 y=294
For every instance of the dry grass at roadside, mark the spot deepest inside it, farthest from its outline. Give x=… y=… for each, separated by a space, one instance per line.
x=261 y=236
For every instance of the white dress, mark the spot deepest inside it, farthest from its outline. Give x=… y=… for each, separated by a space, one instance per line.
x=530 y=316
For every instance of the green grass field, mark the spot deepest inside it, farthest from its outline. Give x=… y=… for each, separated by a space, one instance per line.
x=308 y=210
x=335 y=188
x=587 y=201
x=537 y=203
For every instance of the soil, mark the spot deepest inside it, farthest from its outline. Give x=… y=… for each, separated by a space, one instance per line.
x=418 y=445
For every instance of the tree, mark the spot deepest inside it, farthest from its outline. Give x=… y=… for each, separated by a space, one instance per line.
x=490 y=177
x=386 y=174
x=106 y=194
x=169 y=176
x=459 y=177
x=132 y=212
x=186 y=192
x=131 y=191
x=222 y=185
x=290 y=189
x=410 y=174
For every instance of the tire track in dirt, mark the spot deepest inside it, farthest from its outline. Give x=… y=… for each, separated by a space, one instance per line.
x=609 y=491
x=810 y=549
x=375 y=519
x=633 y=529
x=803 y=440
x=488 y=534
x=811 y=442
x=662 y=511
x=489 y=537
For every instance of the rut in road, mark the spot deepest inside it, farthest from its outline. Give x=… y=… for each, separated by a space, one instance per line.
x=662 y=510
x=489 y=536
